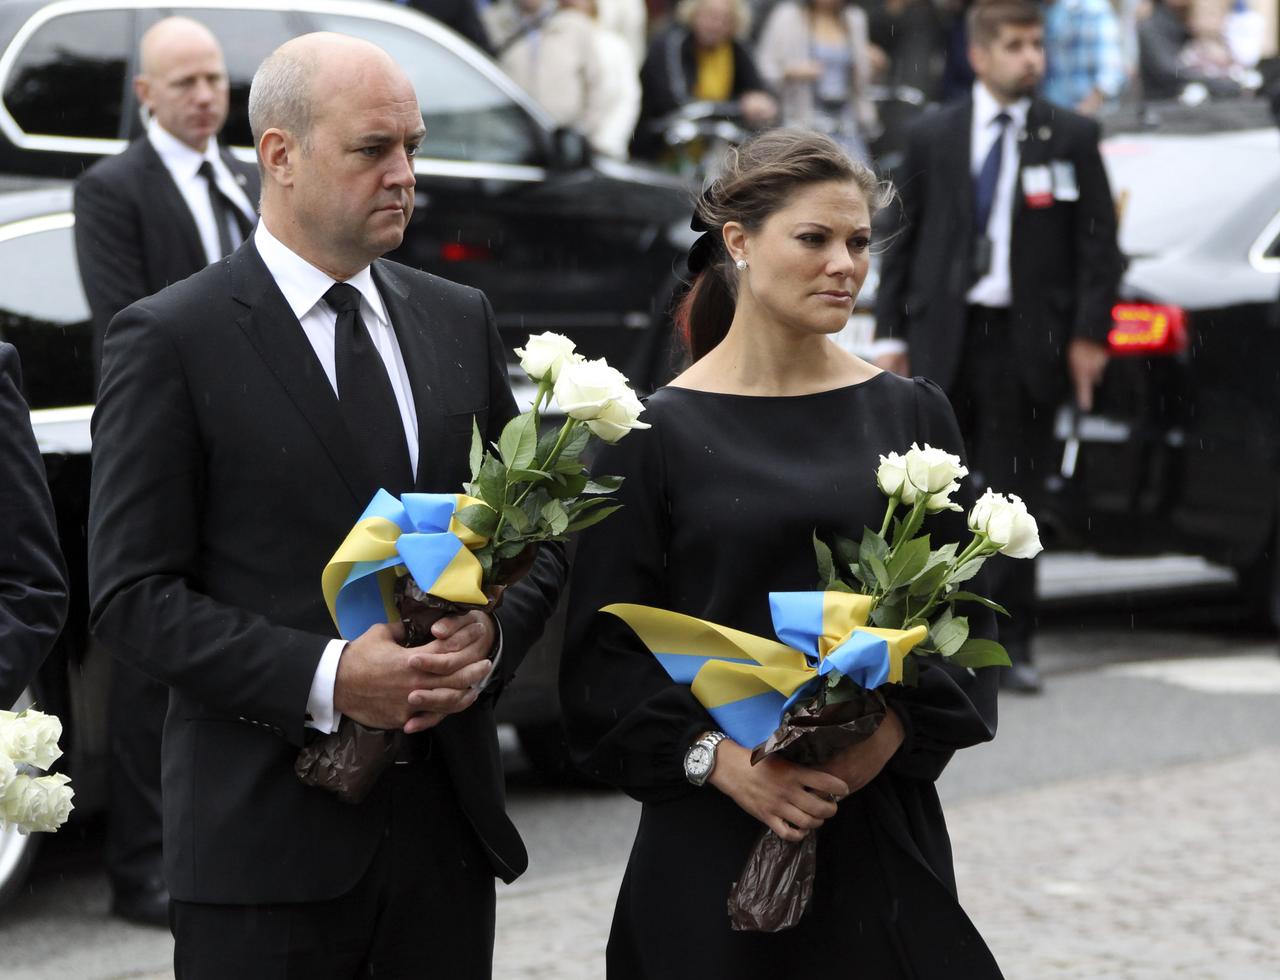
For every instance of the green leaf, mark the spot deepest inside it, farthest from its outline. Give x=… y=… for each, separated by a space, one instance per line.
x=493 y=482
x=908 y=561
x=968 y=570
x=565 y=485
x=872 y=552
x=597 y=515
x=839 y=586
x=603 y=484
x=981 y=653
x=479 y=518
x=887 y=616
x=909 y=527
x=929 y=580
x=879 y=569
x=518 y=442
x=846 y=551
x=512 y=548
x=570 y=459
x=546 y=442
x=554 y=514
x=477 y=448
x=982 y=600
x=950 y=636
x=516 y=518
x=485 y=557
x=576 y=507
x=826 y=567
x=527 y=476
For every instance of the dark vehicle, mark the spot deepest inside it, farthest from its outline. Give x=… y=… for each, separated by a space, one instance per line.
x=505 y=202
x=1182 y=449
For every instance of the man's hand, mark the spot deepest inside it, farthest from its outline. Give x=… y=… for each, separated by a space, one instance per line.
x=789 y=799
x=861 y=762
x=899 y=362
x=454 y=664
x=1086 y=360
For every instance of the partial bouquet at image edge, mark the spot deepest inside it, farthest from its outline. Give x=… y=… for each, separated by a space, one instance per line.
x=423 y=556
x=888 y=601
x=31 y=803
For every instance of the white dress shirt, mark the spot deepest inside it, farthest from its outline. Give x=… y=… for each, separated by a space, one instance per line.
x=994 y=289
x=183 y=164
x=304 y=286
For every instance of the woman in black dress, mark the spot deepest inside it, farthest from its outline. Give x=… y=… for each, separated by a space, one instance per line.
x=772 y=433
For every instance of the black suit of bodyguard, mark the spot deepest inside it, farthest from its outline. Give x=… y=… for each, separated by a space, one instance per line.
x=1001 y=279
x=145 y=219
x=225 y=475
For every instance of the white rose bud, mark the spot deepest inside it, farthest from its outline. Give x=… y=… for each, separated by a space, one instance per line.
x=1008 y=524
x=942 y=500
x=31 y=738
x=586 y=387
x=891 y=478
x=618 y=418
x=932 y=470
x=38 y=805
x=546 y=355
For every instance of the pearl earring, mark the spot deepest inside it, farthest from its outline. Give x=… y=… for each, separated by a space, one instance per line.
x=741 y=264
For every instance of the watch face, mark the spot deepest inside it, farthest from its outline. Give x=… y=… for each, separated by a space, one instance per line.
x=698 y=761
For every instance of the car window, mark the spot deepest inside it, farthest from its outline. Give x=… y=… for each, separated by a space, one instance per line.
x=247 y=37
x=71 y=77
x=44 y=314
x=467 y=116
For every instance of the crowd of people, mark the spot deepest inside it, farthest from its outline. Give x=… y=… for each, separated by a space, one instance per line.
x=617 y=69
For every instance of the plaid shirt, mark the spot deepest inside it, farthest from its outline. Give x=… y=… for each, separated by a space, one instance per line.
x=1083 y=51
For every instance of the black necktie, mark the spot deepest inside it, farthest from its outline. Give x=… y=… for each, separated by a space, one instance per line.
x=984 y=189
x=224 y=207
x=365 y=395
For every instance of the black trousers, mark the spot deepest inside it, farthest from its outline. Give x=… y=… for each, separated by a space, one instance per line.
x=424 y=909
x=1008 y=441
x=134 y=833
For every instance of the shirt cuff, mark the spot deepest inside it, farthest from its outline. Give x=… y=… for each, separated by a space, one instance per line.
x=495 y=655
x=320 y=711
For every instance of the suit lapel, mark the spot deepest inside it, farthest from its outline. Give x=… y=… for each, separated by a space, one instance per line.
x=277 y=336
x=171 y=201
x=413 y=331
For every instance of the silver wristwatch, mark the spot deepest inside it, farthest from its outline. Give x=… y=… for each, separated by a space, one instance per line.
x=701 y=757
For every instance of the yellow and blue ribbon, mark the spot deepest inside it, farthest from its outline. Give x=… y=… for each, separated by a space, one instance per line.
x=748 y=682
x=420 y=533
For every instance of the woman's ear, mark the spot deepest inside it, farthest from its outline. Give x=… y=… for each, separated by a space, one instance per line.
x=735 y=240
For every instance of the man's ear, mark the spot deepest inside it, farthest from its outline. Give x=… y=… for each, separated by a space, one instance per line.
x=978 y=59
x=278 y=150
x=142 y=91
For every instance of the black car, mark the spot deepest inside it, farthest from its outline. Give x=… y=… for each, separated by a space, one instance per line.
x=1182 y=449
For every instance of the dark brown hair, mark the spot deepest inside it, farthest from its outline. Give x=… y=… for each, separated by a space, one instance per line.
x=986 y=17
x=758 y=179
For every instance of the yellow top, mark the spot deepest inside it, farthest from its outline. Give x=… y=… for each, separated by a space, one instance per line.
x=715 y=73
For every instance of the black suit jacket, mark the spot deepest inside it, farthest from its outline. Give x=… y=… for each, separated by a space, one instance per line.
x=134 y=232
x=223 y=480
x=33 y=577
x=1064 y=261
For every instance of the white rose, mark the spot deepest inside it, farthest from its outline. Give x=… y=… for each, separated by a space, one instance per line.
x=31 y=738
x=1007 y=523
x=891 y=478
x=618 y=418
x=546 y=355
x=585 y=390
x=932 y=470
x=8 y=773
x=38 y=805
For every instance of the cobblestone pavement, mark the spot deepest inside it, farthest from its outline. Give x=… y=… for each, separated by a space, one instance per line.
x=1158 y=876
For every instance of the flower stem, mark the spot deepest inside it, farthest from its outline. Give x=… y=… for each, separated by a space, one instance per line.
x=888 y=515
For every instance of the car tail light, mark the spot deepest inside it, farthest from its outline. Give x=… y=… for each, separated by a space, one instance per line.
x=1147 y=328
x=462 y=252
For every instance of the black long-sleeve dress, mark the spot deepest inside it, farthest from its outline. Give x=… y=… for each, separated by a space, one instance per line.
x=722 y=497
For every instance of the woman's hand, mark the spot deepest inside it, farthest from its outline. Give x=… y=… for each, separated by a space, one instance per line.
x=861 y=762
x=788 y=799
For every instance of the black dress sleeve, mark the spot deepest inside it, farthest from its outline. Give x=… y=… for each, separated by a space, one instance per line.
x=951 y=707
x=628 y=723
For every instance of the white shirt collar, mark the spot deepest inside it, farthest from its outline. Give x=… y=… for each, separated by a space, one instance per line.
x=303 y=284
x=176 y=155
x=986 y=108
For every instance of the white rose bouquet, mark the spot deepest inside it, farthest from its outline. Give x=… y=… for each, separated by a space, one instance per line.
x=30 y=803
x=913 y=584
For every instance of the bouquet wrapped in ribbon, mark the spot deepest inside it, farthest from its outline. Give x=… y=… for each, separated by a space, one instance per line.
x=30 y=802
x=424 y=556
x=888 y=600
